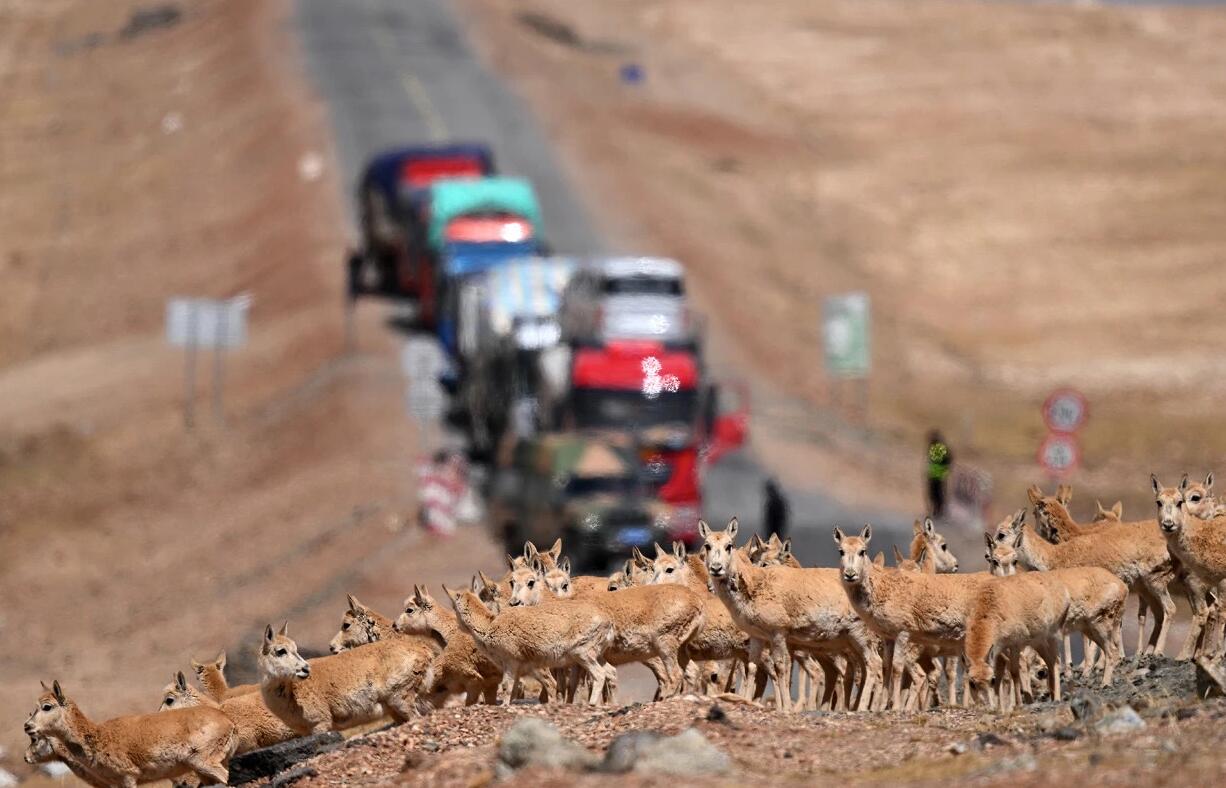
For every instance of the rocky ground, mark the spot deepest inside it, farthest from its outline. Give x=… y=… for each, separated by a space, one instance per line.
x=1148 y=727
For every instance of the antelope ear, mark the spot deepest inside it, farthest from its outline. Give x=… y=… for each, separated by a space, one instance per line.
x=1064 y=494
x=733 y=525
x=838 y=535
x=530 y=550
x=679 y=550
x=897 y=554
x=268 y=635
x=454 y=596
x=1019 y=518
x=1118 y=510
x=354 y=604
x=564 y=565
x=1209 y=481
x=879 y=559
x=1017 y=540
x=43 y=684
x=929 y=528
x=58 y=693
x=704 y=530
x=220 y=662
x=1183 y=483
x=785 y=549
x=987 y=538
x=197 y=667
x=181 y=681
x=923 y=554
x=284 y=628
x=866 y=533
x=556 y=550
x=1153 y=480
x=659 y=550
x=917 y=527
x=628 y=569
x=538 y=565
x=510 y=562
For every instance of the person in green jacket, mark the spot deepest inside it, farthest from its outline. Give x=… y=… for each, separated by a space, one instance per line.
x=940 y=459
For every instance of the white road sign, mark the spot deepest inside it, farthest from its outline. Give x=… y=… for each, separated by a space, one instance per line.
x=207 y=322
x=1059 y=454
x=1065 y=410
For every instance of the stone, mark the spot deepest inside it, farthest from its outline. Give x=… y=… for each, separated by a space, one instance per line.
x=1086 y=706
x=1122 y=720
x=626 y=749
x=1067 y=733
x=533 y=742
x=689 y=753
x=267 y=761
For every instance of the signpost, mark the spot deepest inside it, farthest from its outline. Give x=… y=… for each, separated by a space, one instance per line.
x=192 y=323
x=846 y=341
x=1065 y=411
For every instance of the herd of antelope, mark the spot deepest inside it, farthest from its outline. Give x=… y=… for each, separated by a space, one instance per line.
x=722 y=621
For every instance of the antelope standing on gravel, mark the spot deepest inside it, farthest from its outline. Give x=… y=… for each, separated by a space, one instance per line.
x=342 y=690
x=784 y=607
x=932 y=609
x=1134 y=552
x=551 y=635
x=1096 y=605
x=141 y=748
x=1200 y=547
x=651 y=623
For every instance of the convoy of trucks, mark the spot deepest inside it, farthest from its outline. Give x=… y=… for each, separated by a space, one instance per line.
x=581 y=381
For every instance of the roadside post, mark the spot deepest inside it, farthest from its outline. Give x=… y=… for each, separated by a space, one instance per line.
x=846 y=340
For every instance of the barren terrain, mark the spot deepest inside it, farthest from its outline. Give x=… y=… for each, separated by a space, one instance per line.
x=135 y=166
x=1028 y=191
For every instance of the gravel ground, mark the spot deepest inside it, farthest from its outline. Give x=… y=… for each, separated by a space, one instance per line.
x=1173 y=738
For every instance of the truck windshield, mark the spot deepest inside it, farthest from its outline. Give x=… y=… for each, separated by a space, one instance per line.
x=605 y=408
x=600 y=485
x=643 y=285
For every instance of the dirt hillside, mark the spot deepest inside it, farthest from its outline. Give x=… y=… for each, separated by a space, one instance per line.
x=1029 y=193
x=141 y=160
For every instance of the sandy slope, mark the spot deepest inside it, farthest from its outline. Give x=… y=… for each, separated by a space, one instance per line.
x=133 y=169
x=1028 y=191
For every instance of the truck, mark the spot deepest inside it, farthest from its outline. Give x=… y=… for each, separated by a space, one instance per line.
x=661 y=399
x=475 y=226
x=393 y=214
x=506 y=317
x=585 y=488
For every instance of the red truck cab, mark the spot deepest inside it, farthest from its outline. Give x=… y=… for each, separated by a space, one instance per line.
x=659 y=395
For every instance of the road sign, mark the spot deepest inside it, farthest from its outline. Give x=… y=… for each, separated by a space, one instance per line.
x=207 y=322
x=1059 y=454
x=845 y=332
x=1065 y=411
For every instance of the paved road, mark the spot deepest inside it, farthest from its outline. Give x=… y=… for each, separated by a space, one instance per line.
x=396 y=72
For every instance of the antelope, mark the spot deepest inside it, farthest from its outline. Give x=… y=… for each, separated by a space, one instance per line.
x=651 y=623
x=1113 y=515
x=462 y=666
x=140 y=748
x=254 y=724
x=783 y=607
x=932 y=609
x=361 y=625
x=551 y=635
x=1096 y=602
x=45 y=749
x=1200 y=546
x=212 y=678
x=345 y=689
x=719 y=638
x=1134 y=552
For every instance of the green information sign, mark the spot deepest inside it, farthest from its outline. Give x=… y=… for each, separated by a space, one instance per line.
x=845 y=332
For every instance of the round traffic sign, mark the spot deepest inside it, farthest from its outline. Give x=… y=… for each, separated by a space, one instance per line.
x=1065 y=410
x=1059 y=454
